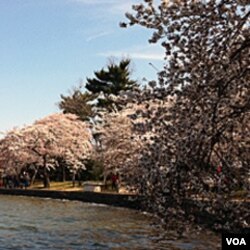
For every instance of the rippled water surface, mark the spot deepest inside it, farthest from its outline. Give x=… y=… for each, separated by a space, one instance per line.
x=34 y=223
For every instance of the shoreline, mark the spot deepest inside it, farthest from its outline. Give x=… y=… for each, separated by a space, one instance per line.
x=116 y=200
x=130 y=201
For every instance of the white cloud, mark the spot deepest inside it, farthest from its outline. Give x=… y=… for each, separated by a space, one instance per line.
x=151 y=52
x=112 y=6
x=133 y=55
x=98 y=35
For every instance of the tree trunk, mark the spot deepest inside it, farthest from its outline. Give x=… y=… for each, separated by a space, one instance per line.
x=105 y=179
x=63 y=173
x=74 y=179
x=34 y=176
x=46 y=180
x=79 y=179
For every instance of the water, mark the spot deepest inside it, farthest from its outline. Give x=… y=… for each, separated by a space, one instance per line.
x=34 y=223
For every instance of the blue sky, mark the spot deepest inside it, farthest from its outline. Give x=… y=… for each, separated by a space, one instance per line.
x=47 y=46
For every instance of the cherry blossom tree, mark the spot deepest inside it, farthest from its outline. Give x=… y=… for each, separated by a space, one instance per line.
x=207 y=72
x=118 y=146
x=14 y=153
x=48 y=141
x=124 y=135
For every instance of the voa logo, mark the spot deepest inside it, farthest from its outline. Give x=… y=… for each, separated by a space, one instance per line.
x=236 y=241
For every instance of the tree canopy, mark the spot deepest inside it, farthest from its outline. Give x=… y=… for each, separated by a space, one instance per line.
x=207 y=73
x=100 y=92
x=78 y=103
x=44 y=143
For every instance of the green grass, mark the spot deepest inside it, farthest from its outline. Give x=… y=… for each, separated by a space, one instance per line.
x=61 y=186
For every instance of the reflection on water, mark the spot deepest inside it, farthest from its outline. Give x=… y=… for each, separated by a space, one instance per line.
x=34 y=223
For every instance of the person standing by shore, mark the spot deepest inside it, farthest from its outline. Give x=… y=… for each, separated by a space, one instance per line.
x=115 y=181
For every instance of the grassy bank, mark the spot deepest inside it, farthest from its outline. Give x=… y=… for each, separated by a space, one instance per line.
x=68 y=186
x=57 y=186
